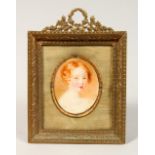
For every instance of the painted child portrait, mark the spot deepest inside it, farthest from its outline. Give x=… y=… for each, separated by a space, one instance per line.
x=78 y=85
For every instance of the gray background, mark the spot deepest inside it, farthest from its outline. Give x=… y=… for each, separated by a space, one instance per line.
x=37 y=14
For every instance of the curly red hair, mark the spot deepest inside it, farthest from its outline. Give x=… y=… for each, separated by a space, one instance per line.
x=69 y=66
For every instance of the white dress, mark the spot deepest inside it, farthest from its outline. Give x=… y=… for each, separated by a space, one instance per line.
x=73 y=103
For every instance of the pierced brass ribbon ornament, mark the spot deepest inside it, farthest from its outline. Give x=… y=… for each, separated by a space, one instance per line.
x=69 y=25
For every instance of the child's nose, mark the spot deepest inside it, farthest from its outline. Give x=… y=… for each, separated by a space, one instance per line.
x=81 y=81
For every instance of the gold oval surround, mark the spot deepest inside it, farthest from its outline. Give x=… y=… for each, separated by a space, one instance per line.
x=54 y=96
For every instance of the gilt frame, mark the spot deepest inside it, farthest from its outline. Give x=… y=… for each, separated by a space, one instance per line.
x=66 y=33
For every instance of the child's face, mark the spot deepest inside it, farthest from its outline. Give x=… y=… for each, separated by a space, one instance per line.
x=78 y=79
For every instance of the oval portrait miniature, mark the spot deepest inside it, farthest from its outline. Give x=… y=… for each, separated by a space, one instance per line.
x=75 y=87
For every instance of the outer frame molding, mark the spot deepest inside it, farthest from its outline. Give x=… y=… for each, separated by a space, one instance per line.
x=67 y=33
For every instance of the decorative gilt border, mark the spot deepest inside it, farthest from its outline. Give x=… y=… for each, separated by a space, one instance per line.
x=54 y=36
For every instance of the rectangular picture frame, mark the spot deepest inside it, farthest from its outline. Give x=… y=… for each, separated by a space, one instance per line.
x=60 y=36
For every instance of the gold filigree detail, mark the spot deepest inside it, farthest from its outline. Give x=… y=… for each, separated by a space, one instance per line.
x=70 y=26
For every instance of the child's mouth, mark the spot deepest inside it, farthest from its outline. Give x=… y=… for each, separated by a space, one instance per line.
x=81 y=87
